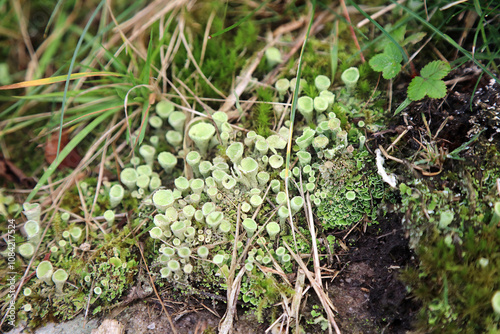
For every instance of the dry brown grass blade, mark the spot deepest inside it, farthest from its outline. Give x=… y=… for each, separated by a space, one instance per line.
x=233 y=284
x=23 y=27
x=297 y=297
x=226 y=324
x=195 y=63
x=172 y=326
x=323 y=297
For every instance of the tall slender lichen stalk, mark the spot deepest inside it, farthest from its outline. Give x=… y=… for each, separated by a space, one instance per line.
x=292 y=119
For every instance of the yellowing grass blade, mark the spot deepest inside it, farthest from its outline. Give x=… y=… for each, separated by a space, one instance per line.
x=60 y=78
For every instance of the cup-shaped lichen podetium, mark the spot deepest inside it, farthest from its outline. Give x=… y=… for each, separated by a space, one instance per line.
x=275 y=142
x=296 y=204
x=128 y=176
x=76 y=233
x=164 y=108
x=178 y=228
x=235 y=152
x=26 y=250
x=272 y=229
x=322 y=82
x=214 y=219
x=201 y=133
x=116 y=194
x=203 y=252
x=304 y=157
x=167 y=161
x=32 y=211
x=273 y=57
x=59 y=278
x=305 y=105
x=44 y=272
x=282 y=86
x=156 y=233
x=174 y=266
x=32 y=230
x=184 y=252
x=250 y=226
x=249 y=168
x=109 y=216
x=306 y=139
x=177 y=119
x=174 y=138
x=162 y=199
x=495 y=302
x=219 y=118
x=148 y=153
x=350 y=77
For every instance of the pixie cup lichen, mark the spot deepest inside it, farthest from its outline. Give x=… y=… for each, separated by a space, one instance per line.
x=167 y=161
x=33 y=231
x=350 y=78
x=201 y=133
x=128 y=177
x=59 y=277
x=44 y=272
x=116 y=194
x=273 y=56
x=162 y=199
x=305 y=105
x=32 y=211
x=164 y=109
x=322 y=82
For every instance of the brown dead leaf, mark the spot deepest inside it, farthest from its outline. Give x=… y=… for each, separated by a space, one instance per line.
x=72 y=159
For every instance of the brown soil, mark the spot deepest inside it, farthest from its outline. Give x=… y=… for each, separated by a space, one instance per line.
x=367 y=293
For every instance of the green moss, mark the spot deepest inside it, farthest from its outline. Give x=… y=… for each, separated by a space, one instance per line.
x=454 y=288
x=262 y=119
x=342 y=175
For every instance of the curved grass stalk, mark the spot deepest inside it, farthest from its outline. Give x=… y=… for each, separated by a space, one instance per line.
x=66 y=86
x=292 y=118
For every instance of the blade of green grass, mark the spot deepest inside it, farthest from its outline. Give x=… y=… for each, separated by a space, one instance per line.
x=52 y=16
x=66 y=86
x=292 y=115
x=66 y=150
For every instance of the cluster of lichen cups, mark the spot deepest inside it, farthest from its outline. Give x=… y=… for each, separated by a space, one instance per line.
x=195 y=222
x=31 y=229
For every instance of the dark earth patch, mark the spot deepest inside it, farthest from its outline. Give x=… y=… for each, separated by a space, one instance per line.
x=368 y=294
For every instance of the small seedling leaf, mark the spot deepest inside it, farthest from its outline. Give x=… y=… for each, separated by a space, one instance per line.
x=430 y=83
x=435 y=70
x=389 y=62
x=436 y=89
x=417 y=89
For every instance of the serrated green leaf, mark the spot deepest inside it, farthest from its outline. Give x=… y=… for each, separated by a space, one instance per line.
x=379 y=62
x=436 y=89
x=435 y=70
x=420 y=87
x=417 y=89
x=393 y=52
x=388 y=62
